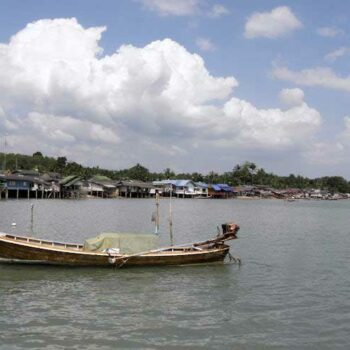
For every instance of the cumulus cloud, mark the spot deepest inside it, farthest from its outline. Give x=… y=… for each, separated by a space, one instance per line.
x=279 y=22
x=334 y=55
x=292 y=97
x=320 y=76
x=205 y=44
x=60 y=95
x=66 y=129
x=176 y=8
x=271 y=128
x=329 y=32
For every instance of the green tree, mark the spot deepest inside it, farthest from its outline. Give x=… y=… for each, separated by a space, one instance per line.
x=37 y=155
x=168 y=173
x=138 y=172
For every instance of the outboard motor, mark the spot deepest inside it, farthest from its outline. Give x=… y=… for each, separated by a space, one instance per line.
x=230 y=229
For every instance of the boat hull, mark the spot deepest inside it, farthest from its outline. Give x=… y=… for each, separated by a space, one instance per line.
x=14 y=251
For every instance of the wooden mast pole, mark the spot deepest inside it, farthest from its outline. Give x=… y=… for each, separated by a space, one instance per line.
x=171 y=218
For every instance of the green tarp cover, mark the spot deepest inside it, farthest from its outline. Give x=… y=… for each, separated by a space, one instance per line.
x=127 y=243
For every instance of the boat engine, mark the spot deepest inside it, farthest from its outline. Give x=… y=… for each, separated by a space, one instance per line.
x=230 y=229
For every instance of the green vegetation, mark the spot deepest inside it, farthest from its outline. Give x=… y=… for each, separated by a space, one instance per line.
x=242 y=174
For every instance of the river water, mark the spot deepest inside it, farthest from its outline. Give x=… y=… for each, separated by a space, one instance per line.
x=292 y=290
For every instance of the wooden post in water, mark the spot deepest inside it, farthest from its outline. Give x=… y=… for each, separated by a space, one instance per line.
x=157 y=213
x=32 y=217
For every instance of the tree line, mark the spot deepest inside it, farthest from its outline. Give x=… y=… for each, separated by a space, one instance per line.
x=241 y=174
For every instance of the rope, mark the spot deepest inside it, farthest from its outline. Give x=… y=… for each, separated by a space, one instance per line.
x=235 y=259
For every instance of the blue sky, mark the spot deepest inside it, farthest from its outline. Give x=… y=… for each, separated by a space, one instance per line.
x=253 y=50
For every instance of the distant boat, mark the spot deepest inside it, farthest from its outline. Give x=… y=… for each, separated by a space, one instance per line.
x=36 y=251
x=202 y=197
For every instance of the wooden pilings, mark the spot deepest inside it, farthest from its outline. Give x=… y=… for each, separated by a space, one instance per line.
x=17 y=193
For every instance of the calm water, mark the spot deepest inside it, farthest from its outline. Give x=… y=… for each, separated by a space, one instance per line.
x=292 y=290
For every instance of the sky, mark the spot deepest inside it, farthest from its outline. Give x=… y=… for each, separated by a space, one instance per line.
x=190 y=85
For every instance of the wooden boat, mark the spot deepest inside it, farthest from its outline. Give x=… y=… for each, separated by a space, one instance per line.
x=32 y=250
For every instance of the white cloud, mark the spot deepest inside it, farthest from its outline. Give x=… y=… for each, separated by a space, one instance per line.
x=334 y=55
x=329 y=32
x=323 y=77
x=292 y=97
x=58 y=94
x=176 y=8
x=65 y=129
x=218 y=10
x=271 y=128
x=205 y=44
x=279 y=22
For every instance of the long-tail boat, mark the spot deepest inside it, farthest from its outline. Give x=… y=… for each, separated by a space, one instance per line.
x=32 y=250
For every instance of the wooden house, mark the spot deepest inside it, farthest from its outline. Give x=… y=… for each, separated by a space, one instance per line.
x=134 y=189
x=220 y=191
x=24 y=186
x=201 y=189
x=71 y=187
x=179 y=188
x=100 y=186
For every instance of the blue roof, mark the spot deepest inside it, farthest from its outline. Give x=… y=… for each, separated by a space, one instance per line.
x=225 y=187
x=222 y=187
x=177 y=183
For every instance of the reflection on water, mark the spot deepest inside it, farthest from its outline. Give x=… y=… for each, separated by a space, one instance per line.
x=291 y=292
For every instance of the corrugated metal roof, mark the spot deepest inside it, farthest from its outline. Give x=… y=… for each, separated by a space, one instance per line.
x=183 y=183
x=100 y=178
x=216 y=187
x=77 y=181
x=177 y=183
x=133 y=183
x=68 y=179
x=18 y=177
x=201 y=184
x=225 y=187
x=164 y=182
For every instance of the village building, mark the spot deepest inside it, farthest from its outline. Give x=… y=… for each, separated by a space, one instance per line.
x=134 y=189
x=181 y=188
x=100 y=186
x=18 y=186
x=72 y=187
x=220 y=191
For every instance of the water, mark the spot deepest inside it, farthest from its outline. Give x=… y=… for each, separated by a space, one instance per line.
x=291 y=291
